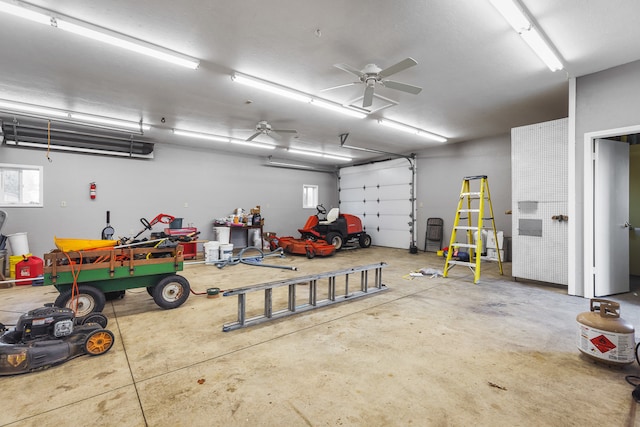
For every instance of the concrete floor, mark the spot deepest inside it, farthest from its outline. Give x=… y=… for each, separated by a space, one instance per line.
x=426 y=352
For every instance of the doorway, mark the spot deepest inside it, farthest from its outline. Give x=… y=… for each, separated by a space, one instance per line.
x=596 y=258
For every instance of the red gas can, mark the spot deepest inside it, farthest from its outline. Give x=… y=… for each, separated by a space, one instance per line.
x=29 y=268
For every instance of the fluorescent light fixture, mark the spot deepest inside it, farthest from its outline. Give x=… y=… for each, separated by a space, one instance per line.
x=23 y=12
x=317 y=154
x=520 y=22
x=289 y=165
x=110 y=122
x=85 y=29
x=338 y=108
x=413 y=130
x=535 y=41
x=200 y=135
x=253 y=144
x=13 y=107
x=512 y=14
x=269 y=87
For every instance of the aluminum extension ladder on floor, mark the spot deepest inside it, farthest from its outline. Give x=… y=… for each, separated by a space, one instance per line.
x=312 y=301
x=473 y=232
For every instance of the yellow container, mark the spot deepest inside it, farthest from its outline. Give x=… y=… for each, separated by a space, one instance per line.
x=13 y=261
x=440 y=253
x=66 y=245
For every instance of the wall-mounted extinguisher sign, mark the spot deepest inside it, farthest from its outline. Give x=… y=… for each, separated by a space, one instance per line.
x=92 y=190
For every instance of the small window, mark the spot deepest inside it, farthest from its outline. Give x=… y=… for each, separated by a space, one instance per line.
x=21 y=186
x=309 y=196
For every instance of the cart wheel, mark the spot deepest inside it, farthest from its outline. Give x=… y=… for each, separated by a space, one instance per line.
x=98 y=342
x=98 y=318
x=364 y=240
x=150 y=290
x=171 y=291
x=310 y=253
x=89 y=300
x=335 y=239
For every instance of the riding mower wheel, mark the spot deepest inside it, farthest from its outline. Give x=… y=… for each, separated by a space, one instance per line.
x=364 y=240
x=335 y=239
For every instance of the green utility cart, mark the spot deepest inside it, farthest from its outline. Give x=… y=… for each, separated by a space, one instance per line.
x=85 y=278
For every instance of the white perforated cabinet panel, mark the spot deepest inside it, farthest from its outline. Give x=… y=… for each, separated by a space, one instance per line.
x=539 y=182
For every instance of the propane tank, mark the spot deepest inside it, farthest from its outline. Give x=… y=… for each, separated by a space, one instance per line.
x=605 y=337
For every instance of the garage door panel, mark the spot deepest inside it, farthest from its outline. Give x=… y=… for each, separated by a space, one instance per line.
x=380 y=194
x=394 y=192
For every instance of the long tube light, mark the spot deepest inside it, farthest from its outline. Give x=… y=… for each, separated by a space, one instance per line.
x=520 y=22
x=317 y=154
x=293 y=94
x=269 y=87
x=220 y=138
x=412 y=130
x=94 y=32
x=13 y=107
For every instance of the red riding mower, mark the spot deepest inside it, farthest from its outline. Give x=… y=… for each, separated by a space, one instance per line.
x=325 y=236
x=336 y=228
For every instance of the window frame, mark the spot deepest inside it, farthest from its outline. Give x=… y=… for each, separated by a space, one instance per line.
x=306 y=189
x=21 y=202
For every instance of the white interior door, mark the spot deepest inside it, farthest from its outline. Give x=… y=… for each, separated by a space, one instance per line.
x=611 y=216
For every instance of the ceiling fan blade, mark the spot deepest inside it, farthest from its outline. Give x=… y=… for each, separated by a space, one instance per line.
x=368 y=97
x=401 y=86
x=284 y=130
x=339 y=86
x=349 y=69
x=254 y=136
x=402 y=65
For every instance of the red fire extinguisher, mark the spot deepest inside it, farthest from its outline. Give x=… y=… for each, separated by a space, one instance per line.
x=92 y=190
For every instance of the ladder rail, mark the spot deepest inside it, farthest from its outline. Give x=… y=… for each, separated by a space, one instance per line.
x=474 y=246
x=312 y=302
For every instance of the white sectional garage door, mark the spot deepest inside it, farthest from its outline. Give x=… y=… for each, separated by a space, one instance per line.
x=380 y=194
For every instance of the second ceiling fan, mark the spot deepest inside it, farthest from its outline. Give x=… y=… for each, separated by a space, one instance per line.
x=371 y=75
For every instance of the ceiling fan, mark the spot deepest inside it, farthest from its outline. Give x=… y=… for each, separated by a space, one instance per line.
x=372 y=74
x=264 y=128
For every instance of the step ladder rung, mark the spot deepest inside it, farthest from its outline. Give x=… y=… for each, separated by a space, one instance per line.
x=468 y=264
x=468 y=217
x=465 y=245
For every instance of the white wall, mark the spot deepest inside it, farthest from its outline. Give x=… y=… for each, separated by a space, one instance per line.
x=210 y=183
x=440 y=174
x=604 y=100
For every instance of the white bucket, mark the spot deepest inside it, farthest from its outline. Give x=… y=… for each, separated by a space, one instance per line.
x=222 y=234
x=226 y=250
x=211 y=252
x=19 y=243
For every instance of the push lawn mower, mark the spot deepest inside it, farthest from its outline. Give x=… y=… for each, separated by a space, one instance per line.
x=48 y=336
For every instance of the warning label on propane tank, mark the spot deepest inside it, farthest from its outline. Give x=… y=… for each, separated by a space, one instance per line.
x=606 y=345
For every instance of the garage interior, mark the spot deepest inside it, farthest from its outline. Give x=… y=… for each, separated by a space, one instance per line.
x=109 y=131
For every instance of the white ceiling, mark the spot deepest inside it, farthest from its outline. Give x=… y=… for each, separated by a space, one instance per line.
x=478 y=77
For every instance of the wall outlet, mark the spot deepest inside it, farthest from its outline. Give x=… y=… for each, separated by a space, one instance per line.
x=63 y=204
x=186 y=205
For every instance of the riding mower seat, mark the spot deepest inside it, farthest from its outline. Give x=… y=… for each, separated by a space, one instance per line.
x=333 y=214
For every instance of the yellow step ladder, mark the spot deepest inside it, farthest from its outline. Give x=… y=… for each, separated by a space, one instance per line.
x=467 y=209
